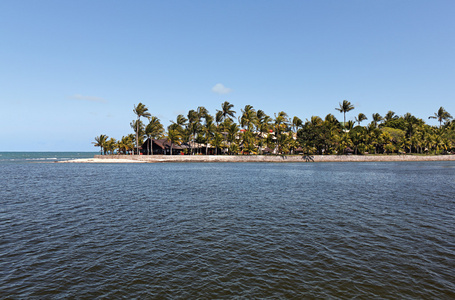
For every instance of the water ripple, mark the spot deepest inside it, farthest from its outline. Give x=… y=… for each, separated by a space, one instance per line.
x=368 y=230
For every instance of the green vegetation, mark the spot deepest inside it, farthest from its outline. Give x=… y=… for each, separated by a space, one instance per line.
x=258 y=133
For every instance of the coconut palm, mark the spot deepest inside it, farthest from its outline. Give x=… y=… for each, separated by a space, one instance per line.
x=218 y=118
x=180 y=122
x=376 y=119
x=361 y=117
x=141 y=111
x=153 y=130
x=262 y=126
x=296 y=123
x=248 y=117
x=441 y=115
x=110 y=145
x=344 y=108
x=390 y=115
x=100 y=141
x=217 y=141
x=226 y=110
x=139 y=130
x=208 y=129
x=280 y=125
x=173 y=136
x=126 y=143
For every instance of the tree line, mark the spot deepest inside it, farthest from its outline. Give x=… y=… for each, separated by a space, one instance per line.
x=254 y=132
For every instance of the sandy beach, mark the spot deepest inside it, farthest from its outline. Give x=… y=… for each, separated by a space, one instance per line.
x=257 y=158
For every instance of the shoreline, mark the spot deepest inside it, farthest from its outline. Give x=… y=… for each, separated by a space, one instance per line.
x=257 y=158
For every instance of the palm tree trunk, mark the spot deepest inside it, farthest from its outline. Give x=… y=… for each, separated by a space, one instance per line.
x=137 y=136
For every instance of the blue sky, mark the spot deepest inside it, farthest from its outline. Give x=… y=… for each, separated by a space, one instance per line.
x=72 y=70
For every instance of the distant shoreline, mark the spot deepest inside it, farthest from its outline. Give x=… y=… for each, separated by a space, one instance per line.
x=257 y=158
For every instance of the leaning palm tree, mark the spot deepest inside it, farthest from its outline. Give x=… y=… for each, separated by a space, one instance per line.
x=141 y=111
x=441 y=115
x=344 y=108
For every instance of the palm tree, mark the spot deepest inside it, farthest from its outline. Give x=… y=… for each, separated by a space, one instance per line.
x=361 y=117
x=232 y=132
x=208 y=129
x=153 y=130
x=218 y=118
x=296 y=123
x=193 y=126
x=141 y=111
x=280 y=125
x=390 y=115
x=441 y=115
x=173 y=136
x=126 y=143
x=344 y=108
x=100 y=141
x=110 y=145
x=226 y=110
x=139 y=130
x=262 y=126
x=217 y=141
x=179 y=122
x=376 y=119
x=248 y=117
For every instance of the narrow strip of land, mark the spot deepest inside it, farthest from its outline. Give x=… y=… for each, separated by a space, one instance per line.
x=257 y=158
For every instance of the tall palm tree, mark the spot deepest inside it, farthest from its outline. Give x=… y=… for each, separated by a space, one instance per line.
x=232 y=132
x=153 y=130
x=344 y=108
x=390 y=115
x=141 y=111
x=262 y=126
x=248 y=117
x=376 y=119
x=227 y=111
x=139 y=130
x=180 y=122
x=361 y=117
x=296 y=123
x=280 y=126
x=208 y=129
x=441 y=115
x=218 y=118
x=100 y=141
x=173 y=136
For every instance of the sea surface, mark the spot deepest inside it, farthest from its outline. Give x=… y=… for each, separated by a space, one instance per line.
x=39 y=157
x=382 y=230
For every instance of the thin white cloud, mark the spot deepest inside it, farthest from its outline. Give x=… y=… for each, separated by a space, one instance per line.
x=88 y=98
x=221 y=89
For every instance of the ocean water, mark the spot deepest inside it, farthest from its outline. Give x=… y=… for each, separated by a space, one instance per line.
x=40 y=157
x=228 y=230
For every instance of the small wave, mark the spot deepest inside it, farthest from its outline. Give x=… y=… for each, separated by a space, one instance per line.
x=42 y=158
